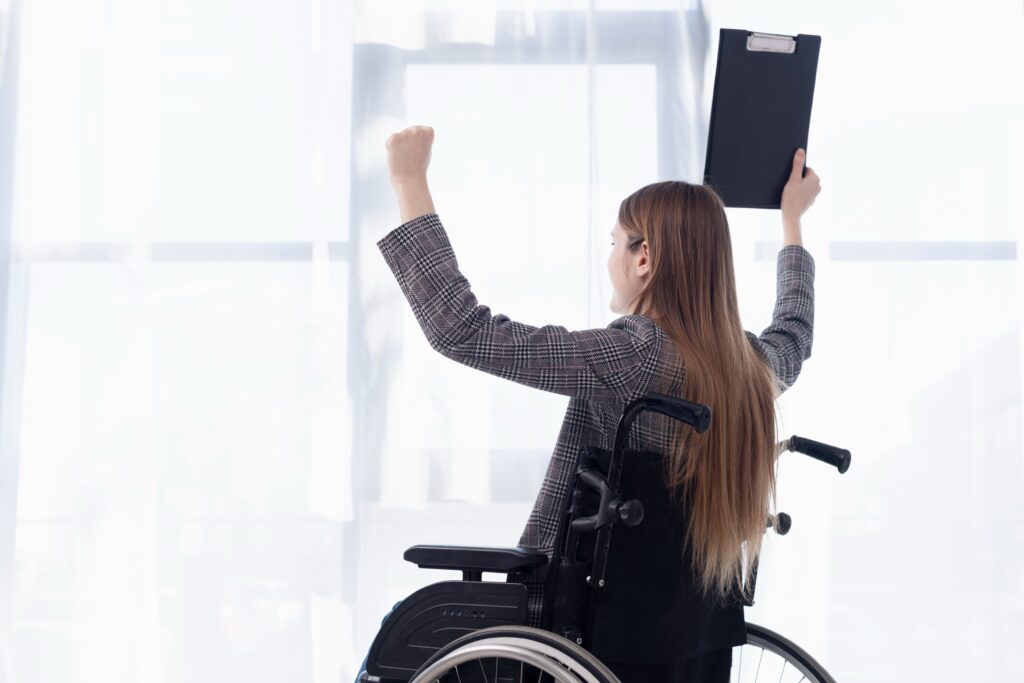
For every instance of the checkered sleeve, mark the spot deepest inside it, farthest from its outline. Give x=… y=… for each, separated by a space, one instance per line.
x=608 y=365
x=786 y=342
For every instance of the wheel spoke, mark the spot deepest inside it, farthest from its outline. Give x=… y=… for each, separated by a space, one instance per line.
x=773 y=662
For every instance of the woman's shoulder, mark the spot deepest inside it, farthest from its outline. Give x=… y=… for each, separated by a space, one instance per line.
x=666 y=367
x=643 y=333
x=637 y=324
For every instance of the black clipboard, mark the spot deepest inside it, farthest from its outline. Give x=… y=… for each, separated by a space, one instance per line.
x=760 y=114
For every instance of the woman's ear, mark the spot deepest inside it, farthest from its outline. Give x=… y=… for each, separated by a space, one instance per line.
x=643 y=264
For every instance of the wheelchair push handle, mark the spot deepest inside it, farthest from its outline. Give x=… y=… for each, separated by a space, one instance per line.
x=696 y=415
x=831 y=455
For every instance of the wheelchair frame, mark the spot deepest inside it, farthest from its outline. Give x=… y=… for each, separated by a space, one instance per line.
x=434 y=616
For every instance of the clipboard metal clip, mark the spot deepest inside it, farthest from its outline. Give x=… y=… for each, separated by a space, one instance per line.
x=771 y=42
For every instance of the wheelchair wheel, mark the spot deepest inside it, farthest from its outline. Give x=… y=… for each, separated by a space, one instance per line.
x=767 y=656
x=512 y=654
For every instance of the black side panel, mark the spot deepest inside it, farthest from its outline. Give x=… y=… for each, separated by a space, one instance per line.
x=437 y=614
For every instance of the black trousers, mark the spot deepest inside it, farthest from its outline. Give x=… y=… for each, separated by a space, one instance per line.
x=713 y=667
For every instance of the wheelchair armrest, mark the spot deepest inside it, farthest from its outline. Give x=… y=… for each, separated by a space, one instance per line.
x=473 y=560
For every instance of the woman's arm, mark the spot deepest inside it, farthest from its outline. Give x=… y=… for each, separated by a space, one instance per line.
x=786 y=342
x=414 y=199
x=610 y=365
x=606 y=364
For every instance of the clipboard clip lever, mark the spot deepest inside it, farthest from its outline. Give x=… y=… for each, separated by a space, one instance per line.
x=771 y=42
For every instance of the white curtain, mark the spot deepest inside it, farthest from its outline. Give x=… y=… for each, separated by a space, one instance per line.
x=220 y=425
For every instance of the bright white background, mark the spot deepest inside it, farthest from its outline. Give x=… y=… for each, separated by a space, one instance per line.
x=220 y=425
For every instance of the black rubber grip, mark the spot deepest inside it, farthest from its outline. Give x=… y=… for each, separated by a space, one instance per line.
x=696 y=414
x=837 y=457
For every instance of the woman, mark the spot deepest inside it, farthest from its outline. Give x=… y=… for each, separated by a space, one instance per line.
x=672 y=276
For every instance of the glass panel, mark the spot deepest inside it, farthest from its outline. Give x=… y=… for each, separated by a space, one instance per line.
x=185 y=467
x=179 y=122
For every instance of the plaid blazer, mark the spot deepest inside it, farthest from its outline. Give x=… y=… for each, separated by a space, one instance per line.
x=601 y=369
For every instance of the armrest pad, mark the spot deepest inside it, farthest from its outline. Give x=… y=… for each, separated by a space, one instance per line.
x=479 y=559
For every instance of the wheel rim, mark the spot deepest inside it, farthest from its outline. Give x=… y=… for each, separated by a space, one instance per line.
x=474 y=652
x=767 y=656
x=564 y=662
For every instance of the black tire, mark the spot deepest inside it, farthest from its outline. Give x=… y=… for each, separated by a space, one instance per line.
x=793 y=654
x=582 y=663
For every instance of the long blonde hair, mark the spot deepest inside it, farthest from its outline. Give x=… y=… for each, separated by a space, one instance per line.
x=728 y=472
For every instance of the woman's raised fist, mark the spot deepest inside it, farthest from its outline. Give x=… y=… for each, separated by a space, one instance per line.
x=409 y=154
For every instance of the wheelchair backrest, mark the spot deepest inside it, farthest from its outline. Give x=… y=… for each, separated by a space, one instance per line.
x=650 y=609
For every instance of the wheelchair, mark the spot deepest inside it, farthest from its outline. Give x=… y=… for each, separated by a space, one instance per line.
x=603 y=603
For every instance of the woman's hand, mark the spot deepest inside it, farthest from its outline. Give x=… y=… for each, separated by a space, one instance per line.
x=409 y=155
x=798 y=195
